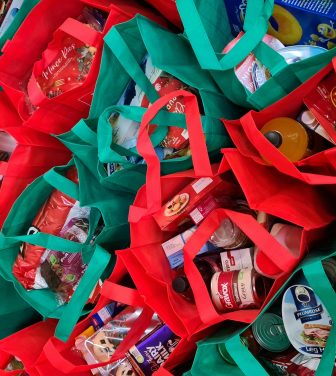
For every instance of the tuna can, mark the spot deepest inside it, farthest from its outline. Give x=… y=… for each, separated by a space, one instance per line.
x=238 y=289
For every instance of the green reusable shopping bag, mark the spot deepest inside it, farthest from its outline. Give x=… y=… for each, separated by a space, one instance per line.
x=209 y=361
x=26 y=7
x=126 y=46
x=99 y=260
x=15 y=313
x=110 y=152
x=207 y=27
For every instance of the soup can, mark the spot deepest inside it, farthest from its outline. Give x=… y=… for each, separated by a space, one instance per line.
x=240 y=289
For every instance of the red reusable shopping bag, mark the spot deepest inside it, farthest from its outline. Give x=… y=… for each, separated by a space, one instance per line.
x=317 y=169
x=26 y=345
x=59 y=359
x=35 y=41
x=168 y=9
x=146 y=261
x=34 y=154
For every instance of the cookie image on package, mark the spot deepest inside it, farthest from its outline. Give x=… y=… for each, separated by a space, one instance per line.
x=176 y=205
x=103 y=346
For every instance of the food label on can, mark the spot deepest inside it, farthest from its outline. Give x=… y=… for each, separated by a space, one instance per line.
x=237 y=259
x=232 y=290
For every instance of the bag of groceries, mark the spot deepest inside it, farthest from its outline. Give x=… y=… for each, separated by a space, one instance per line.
x=254 y=68
x=51 y=243
x=294 y=334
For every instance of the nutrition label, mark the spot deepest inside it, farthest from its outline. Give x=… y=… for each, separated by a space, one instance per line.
x=320 y=6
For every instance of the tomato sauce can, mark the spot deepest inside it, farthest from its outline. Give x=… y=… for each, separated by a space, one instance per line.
x=240 y=289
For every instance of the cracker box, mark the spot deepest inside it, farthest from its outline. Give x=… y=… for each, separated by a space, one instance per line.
x=294 y=22
x=177 y=211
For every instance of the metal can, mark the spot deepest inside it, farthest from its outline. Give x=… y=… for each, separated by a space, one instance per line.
x=270 y=333
x=266 y=333
x=238 y=289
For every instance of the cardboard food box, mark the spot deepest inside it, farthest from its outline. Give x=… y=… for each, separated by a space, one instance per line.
x=294 y=22
x=194 y=202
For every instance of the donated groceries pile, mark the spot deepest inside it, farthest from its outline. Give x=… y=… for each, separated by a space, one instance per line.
x=167 y=187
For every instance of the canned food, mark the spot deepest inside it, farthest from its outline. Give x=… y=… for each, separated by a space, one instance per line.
x=238 y=289
x=270 y=333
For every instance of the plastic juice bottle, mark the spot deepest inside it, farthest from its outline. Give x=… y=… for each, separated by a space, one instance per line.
x=290 y=137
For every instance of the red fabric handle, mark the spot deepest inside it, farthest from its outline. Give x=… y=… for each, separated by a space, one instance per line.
x=162 y=372
x=81 y=31
x=122 y=294
x=62 y=364
x=275 y=157
x=13 y=373
x=197 y=141
x=270 y=247
x=3 y=168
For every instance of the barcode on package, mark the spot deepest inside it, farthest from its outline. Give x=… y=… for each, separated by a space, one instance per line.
x=196 y=216
x=201 y=184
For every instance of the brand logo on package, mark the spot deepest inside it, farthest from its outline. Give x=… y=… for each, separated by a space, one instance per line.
x=306 y=304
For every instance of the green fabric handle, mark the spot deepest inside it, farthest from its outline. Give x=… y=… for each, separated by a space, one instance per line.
x=254 y=9
x=121 y=51
x=74 y=308
x=55 y=243
x=108 y=152
x=319 y=282
x=256 y=28
x=61 y=183
x=82 y=130
x=243 y=358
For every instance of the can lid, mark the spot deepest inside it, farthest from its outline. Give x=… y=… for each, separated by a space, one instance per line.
x=329 y=266
x=269 y=332
x=180 y=284
x=225 y=354
x=274 y=138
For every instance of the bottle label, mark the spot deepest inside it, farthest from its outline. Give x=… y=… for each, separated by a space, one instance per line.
x=237 y=259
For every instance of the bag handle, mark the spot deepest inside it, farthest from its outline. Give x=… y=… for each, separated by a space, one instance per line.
x=72 y=311
x=109 y=152
x=81 y=31
x=276 y=158
x=271 y=248
x=118 y=293
x=127 y=60
x=145 y=148
x=85 y=133
x=255 y=26
x=62 y=183
x=319 y=282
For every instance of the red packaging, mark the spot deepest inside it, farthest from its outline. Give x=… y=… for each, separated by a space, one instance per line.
x=176 y=212
x=323 y=98
x=50 y=220
x=65 y=64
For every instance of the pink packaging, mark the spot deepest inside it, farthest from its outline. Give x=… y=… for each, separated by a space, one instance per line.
x=244 y=69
